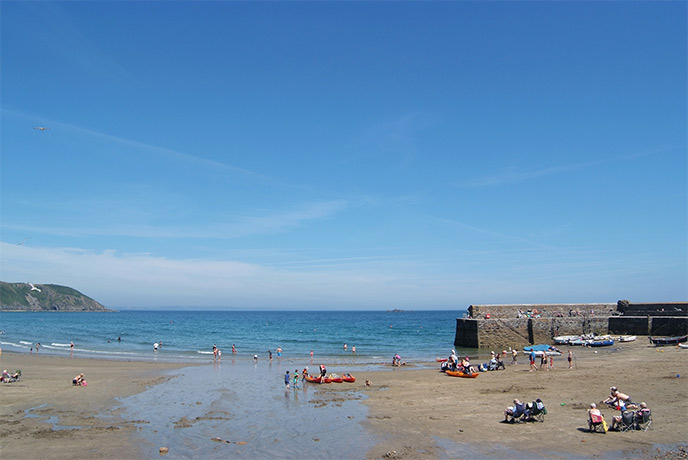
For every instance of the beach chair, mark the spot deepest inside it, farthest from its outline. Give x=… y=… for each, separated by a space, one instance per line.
x=516 y=414
x=643 y=420
x=627 y=421
x=537 y=411
x=597 y=423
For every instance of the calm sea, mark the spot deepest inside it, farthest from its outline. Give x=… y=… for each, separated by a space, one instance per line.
x=190 y=335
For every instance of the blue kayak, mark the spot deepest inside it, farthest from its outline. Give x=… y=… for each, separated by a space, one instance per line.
x=539 y=348
x=600 y=343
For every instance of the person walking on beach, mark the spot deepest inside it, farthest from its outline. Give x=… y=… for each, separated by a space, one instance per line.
x=279 y=352
x=570 y=358
x=514 y=353
x=296 y=379
x=234 y=352
x=270 y=354
x=286 y=380
x=543 y=361
x=38 y=345
x=353 y=350
x=533 y=367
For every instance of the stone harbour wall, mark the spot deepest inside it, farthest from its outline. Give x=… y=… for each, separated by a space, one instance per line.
x=501 y=333
x=520 y=332
x=542 y=310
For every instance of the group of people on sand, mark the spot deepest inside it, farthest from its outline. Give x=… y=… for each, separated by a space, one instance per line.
x=396 y=360
x=524 y=412
x=630 y=413
x=453 y=363
x=8 y=378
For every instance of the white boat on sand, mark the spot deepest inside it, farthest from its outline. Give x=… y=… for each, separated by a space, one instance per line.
x=626 y=338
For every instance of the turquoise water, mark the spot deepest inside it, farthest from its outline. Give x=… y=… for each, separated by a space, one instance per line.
x=190 y=335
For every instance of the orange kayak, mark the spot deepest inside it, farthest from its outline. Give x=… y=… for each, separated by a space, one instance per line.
x=349 y=378
x=461 y=374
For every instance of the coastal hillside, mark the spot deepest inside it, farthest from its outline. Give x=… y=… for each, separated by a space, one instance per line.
x=44 y=297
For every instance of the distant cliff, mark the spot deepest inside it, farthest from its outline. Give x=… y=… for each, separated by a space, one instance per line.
x=44 y=297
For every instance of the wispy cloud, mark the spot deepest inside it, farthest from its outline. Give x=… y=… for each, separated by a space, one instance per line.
x=146 y=280
x=512 y=175
x=239 y=226
x=169 y=154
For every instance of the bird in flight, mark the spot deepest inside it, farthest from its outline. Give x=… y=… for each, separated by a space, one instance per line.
x=41 y=128
x=21 y=243
x=34 y=288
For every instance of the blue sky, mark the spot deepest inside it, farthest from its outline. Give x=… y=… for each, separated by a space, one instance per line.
x=353 y=155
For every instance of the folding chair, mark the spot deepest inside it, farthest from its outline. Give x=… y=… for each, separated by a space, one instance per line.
x=643 y=420
x=596 y=422
x=627 y=421
x=537 y=411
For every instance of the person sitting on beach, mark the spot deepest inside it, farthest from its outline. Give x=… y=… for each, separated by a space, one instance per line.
x=465 y=366
x=642 y=415
x=5 y=376
x=453 y=360
x=534 y=409
x=620 y=401
x=623 y=420
x=500 y=363
x=78 y=380
x=514 y=412
x=492 y=365
x=595 y=417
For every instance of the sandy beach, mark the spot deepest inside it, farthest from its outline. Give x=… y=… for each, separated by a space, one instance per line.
x=415 y=411
x=411 y=408
x=45 y=390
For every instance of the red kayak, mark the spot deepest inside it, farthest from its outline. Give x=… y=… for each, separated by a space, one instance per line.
x=310 y=378
x=349 y=378
x=461 y=374
x=336 y=379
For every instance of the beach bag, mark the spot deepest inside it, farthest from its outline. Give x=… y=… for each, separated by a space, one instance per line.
x=604 y=425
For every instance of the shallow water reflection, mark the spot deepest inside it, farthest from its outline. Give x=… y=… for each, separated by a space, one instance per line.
x=247 y=403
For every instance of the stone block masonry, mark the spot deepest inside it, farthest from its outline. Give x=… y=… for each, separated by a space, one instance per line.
x=503 y=326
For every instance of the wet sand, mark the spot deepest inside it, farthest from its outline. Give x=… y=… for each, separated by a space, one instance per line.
x=414 y=412
x=45 y=390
